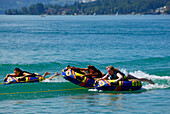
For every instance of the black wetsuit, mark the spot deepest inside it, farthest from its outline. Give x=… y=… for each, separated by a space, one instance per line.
x=23 y=79
x=114 y=76
x=31 y=74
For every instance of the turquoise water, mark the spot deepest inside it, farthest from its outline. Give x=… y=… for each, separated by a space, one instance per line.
x=135 y=44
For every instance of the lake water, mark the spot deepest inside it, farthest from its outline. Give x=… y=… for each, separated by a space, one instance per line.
x=138 y=44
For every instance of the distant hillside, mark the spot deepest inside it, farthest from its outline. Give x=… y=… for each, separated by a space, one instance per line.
x=17 y=4
x=96 y=7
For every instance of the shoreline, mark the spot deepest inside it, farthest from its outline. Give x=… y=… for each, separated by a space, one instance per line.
x=89 y=15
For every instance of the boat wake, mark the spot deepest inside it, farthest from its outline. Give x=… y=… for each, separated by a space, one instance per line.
x=161 y=82
x=55 y=79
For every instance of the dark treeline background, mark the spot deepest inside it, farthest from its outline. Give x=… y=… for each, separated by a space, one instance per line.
x=99 y=7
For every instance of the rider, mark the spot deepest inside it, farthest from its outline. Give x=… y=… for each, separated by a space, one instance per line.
x=18 y=72
x=114 y=73
x=92 y=72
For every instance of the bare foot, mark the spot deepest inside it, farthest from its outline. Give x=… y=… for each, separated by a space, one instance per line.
x=151 y=82
x=57 y=74
x=46 y=73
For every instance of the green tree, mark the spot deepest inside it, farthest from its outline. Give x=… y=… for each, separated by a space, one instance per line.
x=39 y=8
x=15 y=12
x=9 y=12
x=23 y=11
x=31 y=10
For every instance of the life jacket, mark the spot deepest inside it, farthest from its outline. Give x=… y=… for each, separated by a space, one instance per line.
x=114 y=76
x=31 y=74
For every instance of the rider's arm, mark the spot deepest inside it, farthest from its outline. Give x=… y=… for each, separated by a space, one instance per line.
x=119 y=77
x=92 y=74
x=75 y=68
x=10 y=75
x=26 y=74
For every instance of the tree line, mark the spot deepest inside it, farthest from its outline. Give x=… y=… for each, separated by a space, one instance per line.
x=99 y=7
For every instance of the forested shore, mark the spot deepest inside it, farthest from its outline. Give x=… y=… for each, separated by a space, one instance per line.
x=98 y=7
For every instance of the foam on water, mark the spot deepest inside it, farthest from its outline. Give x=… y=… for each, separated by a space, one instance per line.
x=93 y=90
x=161 y=82
x=56 y=79
x=156 y=86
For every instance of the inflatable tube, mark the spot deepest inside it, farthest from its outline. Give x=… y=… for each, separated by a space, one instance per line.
x=108 y=85
x=11 y=80
x=75 y=77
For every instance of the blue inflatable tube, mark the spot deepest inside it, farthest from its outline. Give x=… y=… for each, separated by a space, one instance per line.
x=11 y=80
x=108 y=85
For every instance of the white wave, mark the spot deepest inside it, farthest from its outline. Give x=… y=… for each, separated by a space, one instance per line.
x=93 y=90
x=140 y=74
x=55 y=80
x=161 y=82
x=155 y=86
